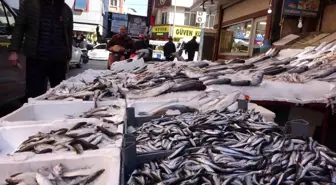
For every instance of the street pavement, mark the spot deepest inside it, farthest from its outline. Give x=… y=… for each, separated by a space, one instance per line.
x=93 y=64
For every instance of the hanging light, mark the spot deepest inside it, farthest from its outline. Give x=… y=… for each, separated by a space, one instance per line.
x=300 y=25
x=269 y=11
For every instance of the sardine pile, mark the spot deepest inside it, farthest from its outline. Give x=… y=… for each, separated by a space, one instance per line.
x=99 y=90
x=282 y=160
x=56 y=176
x=193 y=130
x=237 y=148
x=82 y=136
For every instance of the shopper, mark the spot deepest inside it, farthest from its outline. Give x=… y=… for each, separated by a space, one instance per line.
x=47 y=29
x=168 y=50
x=122 y=40
x=191 y=47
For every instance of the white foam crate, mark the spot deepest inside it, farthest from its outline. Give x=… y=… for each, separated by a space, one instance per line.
x=108 y=160
x=146 y=106
x=11 y=136
x=56 y=110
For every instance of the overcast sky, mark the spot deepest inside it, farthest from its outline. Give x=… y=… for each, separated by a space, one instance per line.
x=138 y=5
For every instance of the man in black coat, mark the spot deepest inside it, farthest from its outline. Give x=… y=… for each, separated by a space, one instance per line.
x=47 y=28
x=168 y=49
x=191 y=48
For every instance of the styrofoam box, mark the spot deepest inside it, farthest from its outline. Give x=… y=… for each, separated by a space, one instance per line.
x=12 y=136
x=108 y=160
x=55 y=110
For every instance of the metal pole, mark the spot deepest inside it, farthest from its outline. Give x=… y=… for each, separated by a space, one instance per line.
x=174 y=19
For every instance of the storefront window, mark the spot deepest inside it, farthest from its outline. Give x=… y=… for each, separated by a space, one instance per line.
x=236 y=38
x=259 y=35
x=6 y=20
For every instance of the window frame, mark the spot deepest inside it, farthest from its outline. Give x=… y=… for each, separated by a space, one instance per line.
x=250 y=41
x=164 y=17
x=254 y=30
x=111 y=3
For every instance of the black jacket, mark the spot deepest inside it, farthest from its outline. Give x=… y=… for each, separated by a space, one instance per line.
x=169 y=48
x=27 y=27
x=192 y=46
x=141 y=44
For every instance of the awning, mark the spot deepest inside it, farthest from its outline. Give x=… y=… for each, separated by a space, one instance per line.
x=208 y=4
x=84 y=27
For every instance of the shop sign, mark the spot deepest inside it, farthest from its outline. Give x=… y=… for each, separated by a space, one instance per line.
x=136 y=25
x=160 y=32
x=162 y=3
x=117 y=21
x=160 y=29
x=185 y=32
x=304 y=8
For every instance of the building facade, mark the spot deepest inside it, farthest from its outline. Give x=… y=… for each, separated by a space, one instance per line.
x=175 y=18
x=89 y=17
x=116 y=6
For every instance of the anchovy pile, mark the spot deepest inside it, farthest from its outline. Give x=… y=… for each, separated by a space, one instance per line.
x=99 y=90
x=82 y=136
x=193 y=130
x=255 y=160
x=56 y=176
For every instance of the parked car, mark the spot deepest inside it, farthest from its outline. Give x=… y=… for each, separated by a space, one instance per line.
x=77 y=59
x=12 y=80
x=99 y=52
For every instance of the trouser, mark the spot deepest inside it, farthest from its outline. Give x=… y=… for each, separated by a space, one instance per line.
x=39 y=71
x=191 y=56
x=169 y=58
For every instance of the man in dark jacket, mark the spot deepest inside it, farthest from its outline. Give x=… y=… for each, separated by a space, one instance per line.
x=191 y=48
x=168 y=49
x=122 y=40
x=46 y=27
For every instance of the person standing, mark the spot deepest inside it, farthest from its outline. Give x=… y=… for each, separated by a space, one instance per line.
x=191 y=48
x=168 y=49
x=47 y=28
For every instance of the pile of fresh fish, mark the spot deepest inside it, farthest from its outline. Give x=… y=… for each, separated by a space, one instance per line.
x=193 y=130
x=99 y=90
x=102 y=112
x=82 y=136
x=260 y=159
x=59 y=175
x=154 y=84
x=204 y=102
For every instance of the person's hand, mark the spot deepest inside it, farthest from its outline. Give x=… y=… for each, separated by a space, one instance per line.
x=122 y=49
x=13 y=59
